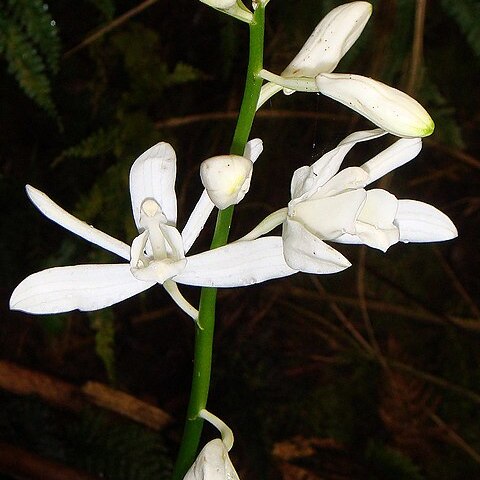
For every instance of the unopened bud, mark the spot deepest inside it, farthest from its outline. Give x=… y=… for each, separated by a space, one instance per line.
x=226 y=179
x=330 y=40
x=389 y=108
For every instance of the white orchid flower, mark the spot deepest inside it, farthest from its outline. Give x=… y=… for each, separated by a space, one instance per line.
x=157 y=254
x=333 y=205
x=213 y=462
x=310 y=71
x=235 y=8
x=226 y=179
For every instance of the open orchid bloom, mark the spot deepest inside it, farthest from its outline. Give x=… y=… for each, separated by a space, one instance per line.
x=213 y=462
x=157 y=254
x=235 y=8
x=310 y=71
x=328 y=204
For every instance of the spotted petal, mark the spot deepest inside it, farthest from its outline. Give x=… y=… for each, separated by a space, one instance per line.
x=82 y=287
x=330 y=40
x=387 y=107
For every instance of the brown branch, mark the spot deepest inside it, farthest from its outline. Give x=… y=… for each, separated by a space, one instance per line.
x=20 y=463
x=386 y=307
x=344 y=319
x=232 y=115
x=455 y=152
x=22 y=381
x=457 y=284
x=417 y=47
x=110 y=26
x=455 y=438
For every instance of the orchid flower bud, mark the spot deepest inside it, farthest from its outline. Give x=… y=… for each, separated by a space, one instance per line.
x=235 y=8
x=226 y=179
x=330 y=40
x=213 y=462
x=389 y=108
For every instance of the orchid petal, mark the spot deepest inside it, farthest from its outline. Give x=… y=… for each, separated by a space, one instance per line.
x=197 y=220
x=374 y=225
x=237 y=264
x=58 y=215
x=350 y=178
x=387 y=107
x=253 y=149
x=421 y=222
x=153 y=176
x=308 y=179
x=159 y=271
x=174 y=242
x=82 y=287
x=305 y=252
x=396 y=155
x=330 y=217
x=330 y=40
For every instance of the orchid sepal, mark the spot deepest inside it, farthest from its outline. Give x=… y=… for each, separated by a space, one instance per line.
x=392 y=110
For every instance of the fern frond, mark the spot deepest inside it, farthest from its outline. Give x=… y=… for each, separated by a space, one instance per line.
x=37 y=23
x=97 y=144
x=25 y=63
x=466 y=14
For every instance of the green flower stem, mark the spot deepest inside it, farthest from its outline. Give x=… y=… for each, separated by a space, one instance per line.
x=204 y=336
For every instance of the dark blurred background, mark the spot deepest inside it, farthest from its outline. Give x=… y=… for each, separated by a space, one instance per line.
x=372 y=373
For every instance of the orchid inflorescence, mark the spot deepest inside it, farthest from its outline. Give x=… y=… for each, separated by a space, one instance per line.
x=328 y=204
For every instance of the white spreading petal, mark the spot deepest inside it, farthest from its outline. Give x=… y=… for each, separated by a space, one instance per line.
x=197 y=220
x=396 y=155
x=309 y=179
x=57 y=214
x=212 y=463
x=237 y=264
x=226 y=179
x=306 y=252
x=387 y=107
x=330 y=40
x=153 y=176
x=82 y=287
x=330 y=217
x=421 y=222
